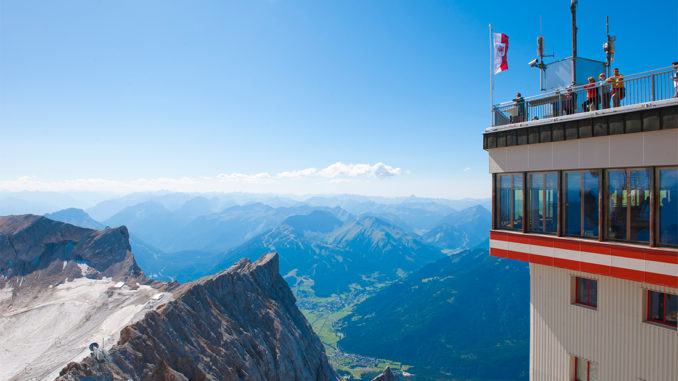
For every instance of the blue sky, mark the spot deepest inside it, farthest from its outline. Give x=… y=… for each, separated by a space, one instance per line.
x=369 y=97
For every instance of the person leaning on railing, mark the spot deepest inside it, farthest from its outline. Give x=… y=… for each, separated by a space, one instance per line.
x=592 y=96
x=570 y=102
x=618 y=91
x=604 y=92
x=675 y=78
x=556 y=105
x=520 y=105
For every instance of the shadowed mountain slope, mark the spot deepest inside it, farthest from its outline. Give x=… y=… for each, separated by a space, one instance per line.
x=461 y=317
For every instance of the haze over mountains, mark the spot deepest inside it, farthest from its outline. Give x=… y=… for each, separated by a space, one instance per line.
x=397 y=271
x=64 y=287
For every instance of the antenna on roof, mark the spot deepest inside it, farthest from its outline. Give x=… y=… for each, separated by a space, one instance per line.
x=573 y=9
x=539 y=61
x=608 y=46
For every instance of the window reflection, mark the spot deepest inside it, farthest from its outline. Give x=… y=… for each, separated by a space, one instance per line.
x=518 y=201
x=543 y=202
x=668 y=206
x=510 y=201
x=616 y=204
x=639 y=201
x=581 y=203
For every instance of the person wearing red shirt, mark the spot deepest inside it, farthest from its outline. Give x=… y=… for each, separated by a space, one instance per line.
x=592 y=96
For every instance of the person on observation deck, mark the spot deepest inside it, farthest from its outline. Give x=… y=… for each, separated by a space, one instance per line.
x=618 y=91
x=570 y=102
x=592 y=96
x=605 y=94
x=520 y=105
x=556 y=105
x=675 y=78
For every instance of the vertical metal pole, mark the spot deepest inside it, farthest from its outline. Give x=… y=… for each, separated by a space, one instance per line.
x=573 y=9
x=653 y=87
x=602 y=197
x=653 y=201
x=491 y=77
x=607 y=54
x=494 y=200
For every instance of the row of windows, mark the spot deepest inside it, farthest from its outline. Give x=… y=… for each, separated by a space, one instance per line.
x=530 y=202
x=661 y=307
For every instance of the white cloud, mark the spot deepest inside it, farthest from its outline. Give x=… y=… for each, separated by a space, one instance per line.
x=223 y=182
x=297 y=174
x=467 y=169
x=340 y=169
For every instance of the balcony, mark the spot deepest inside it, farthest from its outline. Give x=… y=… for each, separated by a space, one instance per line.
x=571 y=103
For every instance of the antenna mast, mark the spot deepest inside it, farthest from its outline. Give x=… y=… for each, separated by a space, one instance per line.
x=573 y=9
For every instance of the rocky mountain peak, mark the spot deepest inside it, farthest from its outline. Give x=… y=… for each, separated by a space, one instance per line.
x=239 y=324
x=386 y=375
x=35 y=250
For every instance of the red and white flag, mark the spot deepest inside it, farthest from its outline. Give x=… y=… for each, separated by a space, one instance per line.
x=500 y=51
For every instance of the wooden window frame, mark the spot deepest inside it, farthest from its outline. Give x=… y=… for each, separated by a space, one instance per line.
x=655 y=222
x=627 y=171
x=527 y=202
x=649 y=309
x=497 y=200
x=586 y=303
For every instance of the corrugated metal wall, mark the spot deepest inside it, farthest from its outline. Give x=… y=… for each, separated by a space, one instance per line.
x=614 y=335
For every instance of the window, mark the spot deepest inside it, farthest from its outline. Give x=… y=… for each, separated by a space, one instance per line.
x=586 y=292
x=628 y=201
x=668 y=206
x=581 y=203
x=543 y=202
x=662 y=308
x=510 y=201
x=585 y=370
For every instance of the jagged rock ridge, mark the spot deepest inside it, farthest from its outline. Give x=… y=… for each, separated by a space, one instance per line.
x=38 y=252
x=240 y=324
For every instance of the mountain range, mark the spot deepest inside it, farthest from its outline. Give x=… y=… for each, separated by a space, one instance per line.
x=63 y=287
x=334 y=255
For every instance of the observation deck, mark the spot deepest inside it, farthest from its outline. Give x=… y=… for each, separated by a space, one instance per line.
x=592 y=190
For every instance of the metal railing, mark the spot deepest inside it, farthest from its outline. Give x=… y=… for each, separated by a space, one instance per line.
x=638 y=88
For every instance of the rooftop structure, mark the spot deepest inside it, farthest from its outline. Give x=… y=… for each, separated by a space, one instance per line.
x=588 y=196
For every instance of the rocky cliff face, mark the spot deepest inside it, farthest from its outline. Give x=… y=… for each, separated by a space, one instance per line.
x=36 y=252
x=387 y=375
x=62 y=287
x=240 y=324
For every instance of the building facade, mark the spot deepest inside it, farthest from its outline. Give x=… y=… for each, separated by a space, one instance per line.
x=590 y=201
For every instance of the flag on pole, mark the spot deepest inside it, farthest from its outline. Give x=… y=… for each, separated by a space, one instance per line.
x=500 y=51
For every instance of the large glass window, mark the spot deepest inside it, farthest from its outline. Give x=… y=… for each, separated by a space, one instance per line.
x=510 y=201
x=639 y=202
x=628 y=205
x=662 y=308
x=587 y=292
x=543 y=202
x=668 y=205
x=581 y=203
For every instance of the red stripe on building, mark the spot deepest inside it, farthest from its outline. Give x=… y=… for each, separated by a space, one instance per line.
x=662 y=255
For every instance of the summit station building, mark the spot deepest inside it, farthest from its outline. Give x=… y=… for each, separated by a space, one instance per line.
x=590 y=200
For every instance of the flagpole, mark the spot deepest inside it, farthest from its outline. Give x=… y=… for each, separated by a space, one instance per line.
x=491 y=77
